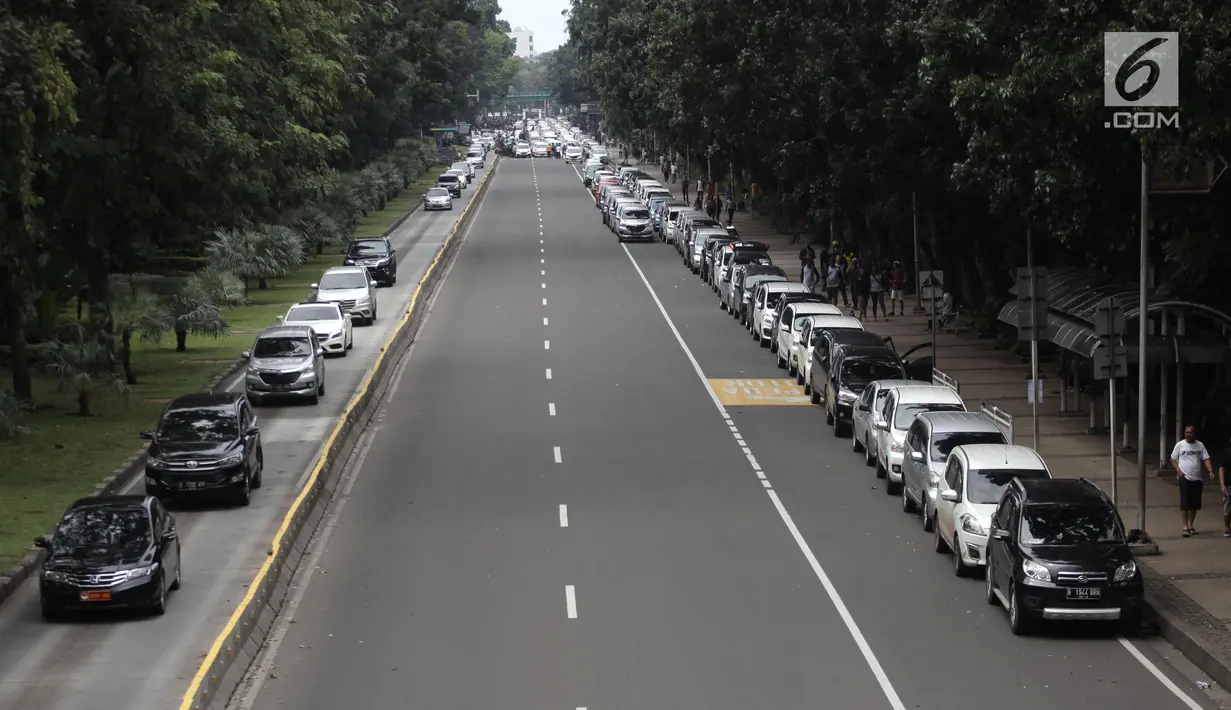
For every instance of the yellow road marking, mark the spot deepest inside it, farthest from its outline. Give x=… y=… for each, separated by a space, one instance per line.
x=746 y=393
x=216 y=650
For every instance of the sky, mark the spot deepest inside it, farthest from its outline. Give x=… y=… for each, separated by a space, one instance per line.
x=539 y=16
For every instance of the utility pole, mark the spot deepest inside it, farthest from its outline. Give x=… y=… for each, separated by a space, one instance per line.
x=914 y=215
x=1032 y=322
x=1110 y=363
x=1143 y=321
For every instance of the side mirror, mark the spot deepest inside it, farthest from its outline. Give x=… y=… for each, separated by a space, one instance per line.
x=280 y=320
x=1135 y=536
x=315 y=286
x=882 y=425
x=1001 y=534
x=247 y=354
x=43 y=542
x=253 y=430
x=320 y=352
x=147 y=435
x=950 y=496
x=864 y=408
x=372 y=284
x=916 y=456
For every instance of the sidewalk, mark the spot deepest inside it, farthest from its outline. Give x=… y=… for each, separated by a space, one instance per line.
x=1188 y=583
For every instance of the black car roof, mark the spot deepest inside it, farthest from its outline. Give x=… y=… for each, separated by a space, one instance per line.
x=127 y=502
x=358 y=240
x=852 y=336
x=1070 y=491
x=868 y=352
x=204 y=400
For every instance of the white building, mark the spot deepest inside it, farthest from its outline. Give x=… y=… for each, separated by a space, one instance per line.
x=525 y=42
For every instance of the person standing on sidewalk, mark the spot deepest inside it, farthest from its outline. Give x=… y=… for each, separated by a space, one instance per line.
x=1191 y=461
x=833 y=281
x=877 y=290
x=810 y=277
x=897 y=292
x=807 y=257
x=730 y=212
x=675 y=169
x=684 y=186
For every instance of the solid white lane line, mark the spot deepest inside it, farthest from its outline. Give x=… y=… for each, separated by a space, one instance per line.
x=551 y=409
x=555 y=452
x=563 y=515
x=570 y=600
x=852 y=627
x=544 y=321
x=549 y=373
x=547 y=345
x=1162 y=678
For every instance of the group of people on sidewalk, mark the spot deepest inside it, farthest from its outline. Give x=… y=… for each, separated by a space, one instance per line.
x=859 y=282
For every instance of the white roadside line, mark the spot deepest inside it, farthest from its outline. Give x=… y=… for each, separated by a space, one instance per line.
x=547 y=345
x=563 y=515
x=549 y=373
x=555 y=452
x=551 y=409
x=847 y=619
x=570 y=601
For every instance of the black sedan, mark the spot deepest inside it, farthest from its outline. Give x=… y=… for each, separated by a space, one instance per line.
x=110 y=552
x=205 y=444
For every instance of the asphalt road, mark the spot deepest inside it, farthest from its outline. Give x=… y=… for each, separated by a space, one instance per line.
x=124 y=662
x=558 y=368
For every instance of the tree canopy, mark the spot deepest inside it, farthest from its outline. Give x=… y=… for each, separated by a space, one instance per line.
x=991 y=115
x=131 y=127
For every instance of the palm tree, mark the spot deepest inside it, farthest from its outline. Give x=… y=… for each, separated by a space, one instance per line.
x=318 y=228
x=83 y=363
x=10 y=417
x=196 y=308
x=262 y=253
x=135 y=312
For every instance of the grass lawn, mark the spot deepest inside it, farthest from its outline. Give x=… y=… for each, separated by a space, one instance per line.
x=66 y=456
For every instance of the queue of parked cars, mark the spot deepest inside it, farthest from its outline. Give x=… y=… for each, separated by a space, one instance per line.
x=1048 y=548
x=123 y=552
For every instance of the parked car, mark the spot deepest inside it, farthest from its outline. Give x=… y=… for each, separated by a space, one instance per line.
x=633 y=222
x=765 y=305
x=205 y=445
x=333 y=325
x=852 y=368
x=929 y=442
x=377 y=255
x=901 y=407
x=733 y=295
x=867 y=413
x=351 y=286
x=286 y=362
x=1057 y=551
x=975 y=476
x=465 y=166
x=437 y=198
x=110 y=552
x=810 y=337
x=788 y=326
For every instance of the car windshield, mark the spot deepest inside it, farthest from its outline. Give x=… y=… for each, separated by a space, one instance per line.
x=104 y=527
x=983 y=487
x=437 y=192
x=369 y=248
x=906 y=412
x=300 y=314
x=858 y=373
x=195 y=425
x=446 y=178
x=943 y=444
x=523 y=145
x=281 y=347
x=637 y=214
x=1068 y=524
x=343 y=279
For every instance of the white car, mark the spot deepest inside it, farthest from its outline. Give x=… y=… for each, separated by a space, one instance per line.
x=765 y=308
x=975 y=476
x=863 y=418
x=572 y=154
x=464 y=165
x=332 y=325
x=538 y=149
x=810 y=334
x=901 y=407
x=790 y=324
x=521 y=150
x=351 y=286
x=462 y=176
x=476 y=158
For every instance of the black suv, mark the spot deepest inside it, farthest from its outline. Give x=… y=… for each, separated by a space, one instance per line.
x=205 y=444
x=378 y=255
x=1057 y=550
x=853 y=368
x=110 y=552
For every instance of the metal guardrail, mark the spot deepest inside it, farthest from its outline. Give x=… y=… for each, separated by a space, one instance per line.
x=1003 y=419
x=940 y=378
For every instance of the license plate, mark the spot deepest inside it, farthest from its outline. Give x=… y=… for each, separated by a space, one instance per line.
x=192 y=484
x=95 y=596
x=1080 y=593
x=279 y=388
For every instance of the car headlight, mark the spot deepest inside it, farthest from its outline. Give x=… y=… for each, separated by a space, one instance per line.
x=767 y=318
x=53 y=576
x=231 y=460
x=254 y=370
x=1125 y=572
x=155 y=463
x=972 y=526
x=896 y=448
x=141 y=572
x=1034 y=570
x=363 y=300
x=307 y=370
x=847 y=397
x=934 y=480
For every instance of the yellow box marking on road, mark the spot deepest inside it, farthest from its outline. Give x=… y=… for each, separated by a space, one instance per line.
x=745 y=393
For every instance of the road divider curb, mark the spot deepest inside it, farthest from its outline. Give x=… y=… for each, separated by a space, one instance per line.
x=12 y=578
x=228 y=659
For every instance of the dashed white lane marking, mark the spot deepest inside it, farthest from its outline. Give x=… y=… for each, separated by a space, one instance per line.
x=570 y=601
x=542 y=251
x=555 y=452
x=544 y=301
x=540 y=241
x=544 y=321
x=869 y=656
x=549 y=373
x=544 y=285
x=547 y=345
x=542 y=272
x=542 y=261
x=563 y=515
x=551 y=409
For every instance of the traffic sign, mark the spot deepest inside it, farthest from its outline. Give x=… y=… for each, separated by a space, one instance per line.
x=1032 y=317
x=1110 y=358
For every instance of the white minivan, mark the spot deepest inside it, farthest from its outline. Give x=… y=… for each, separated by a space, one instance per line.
x=901 y=407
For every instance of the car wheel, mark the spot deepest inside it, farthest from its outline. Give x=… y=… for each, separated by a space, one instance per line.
x=50 y=613
x=880 y=469
x=1018 y=623
x=259 y=479
x=868 y=458
x=799 y=376
x=841 y=429
x=892 y=488
x=856 y=444
x=939 y=546
x=989 y=587
x=159 y=606
x=807 y=386
x=815 y=397
x=179 y=575
x=960 y=568
x=908 y=503
x=243 y=496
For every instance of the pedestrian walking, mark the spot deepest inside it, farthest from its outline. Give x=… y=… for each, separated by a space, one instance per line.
x=897 y=292
x=833 y=281
x=675 y=169
x=862 y=281
x=810 y=277
x=807 y=257
x=1191 y=461
x=877 y=291
x=684 y=186
x=730 y=213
